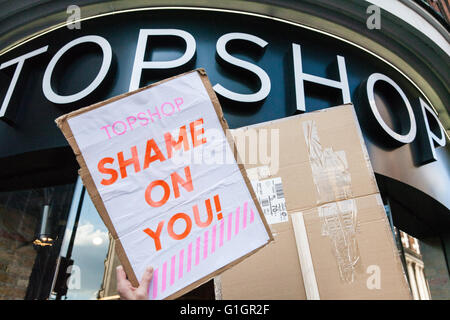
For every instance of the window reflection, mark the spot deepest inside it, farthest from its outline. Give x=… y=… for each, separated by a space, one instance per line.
x=26 y=269
x=54 y=245
x=85 y=247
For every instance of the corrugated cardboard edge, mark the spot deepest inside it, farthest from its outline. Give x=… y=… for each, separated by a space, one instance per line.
x=376 y=193
x=63 y=125
x=304 y=256
x=388 y=230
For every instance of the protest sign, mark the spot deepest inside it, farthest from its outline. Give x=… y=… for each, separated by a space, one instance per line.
x=147 y=161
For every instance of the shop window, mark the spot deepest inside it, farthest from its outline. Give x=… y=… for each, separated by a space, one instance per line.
x=32 y=224
x=409 y=252
x=413 y=266
x=81 y=263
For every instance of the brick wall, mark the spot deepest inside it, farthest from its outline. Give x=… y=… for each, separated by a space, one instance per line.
x=441 y=6
x=17 y=255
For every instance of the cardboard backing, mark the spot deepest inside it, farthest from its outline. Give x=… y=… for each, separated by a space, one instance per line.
x=62 y=123
x=323 y=162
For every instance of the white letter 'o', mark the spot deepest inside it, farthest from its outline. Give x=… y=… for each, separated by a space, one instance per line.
x=107 y=58
x=404 y=138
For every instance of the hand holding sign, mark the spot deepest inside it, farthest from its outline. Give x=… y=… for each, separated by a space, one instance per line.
x=191 y=219
x=126 y=289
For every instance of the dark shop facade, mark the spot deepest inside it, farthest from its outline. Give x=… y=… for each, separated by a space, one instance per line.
x=266 y=60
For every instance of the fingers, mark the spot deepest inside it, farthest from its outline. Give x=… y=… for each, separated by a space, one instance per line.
x=145 y=283
x=121 y=275
x=126 y=290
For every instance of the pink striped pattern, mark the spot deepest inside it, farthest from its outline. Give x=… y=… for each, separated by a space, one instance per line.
x=222 y=227
x=163 y=280
x=189 y=261
x=237 y=220
x=172 y=271
x=230 y=218
x=180 y=268
x=213 y=240
x=205 y=245
x=244 y=217
x=197 y=251
x=155 y=283
x=162 y=276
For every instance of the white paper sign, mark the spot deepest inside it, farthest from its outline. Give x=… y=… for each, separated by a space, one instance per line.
x=154 y=157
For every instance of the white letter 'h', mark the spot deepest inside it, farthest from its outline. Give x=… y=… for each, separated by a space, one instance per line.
x=299 y=77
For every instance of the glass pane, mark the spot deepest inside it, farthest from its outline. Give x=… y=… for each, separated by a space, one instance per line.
x=32 y=224
x=87 y=249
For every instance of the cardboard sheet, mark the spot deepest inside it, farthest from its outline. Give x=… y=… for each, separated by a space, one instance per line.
x=336 y=242
x=147 y=161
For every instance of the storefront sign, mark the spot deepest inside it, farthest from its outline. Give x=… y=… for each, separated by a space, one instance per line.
x=300 y=77
x=257 y=74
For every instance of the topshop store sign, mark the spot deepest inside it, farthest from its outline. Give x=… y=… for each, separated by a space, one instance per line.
x=425 y=131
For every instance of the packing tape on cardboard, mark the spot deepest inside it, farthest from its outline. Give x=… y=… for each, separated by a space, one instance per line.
x=304 y=255
x=338 y=214
x=339 y=222
x=258 y=173
x=329 y=168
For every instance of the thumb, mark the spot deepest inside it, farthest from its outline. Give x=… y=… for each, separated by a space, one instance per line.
x=146 y=278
